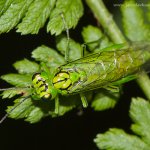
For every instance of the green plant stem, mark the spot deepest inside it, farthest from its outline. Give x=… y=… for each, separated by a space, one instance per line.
x=106 y=20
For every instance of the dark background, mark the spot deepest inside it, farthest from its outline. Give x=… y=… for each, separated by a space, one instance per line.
x=70 y=131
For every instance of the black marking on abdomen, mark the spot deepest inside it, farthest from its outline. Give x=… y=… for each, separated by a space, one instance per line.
x=35 y=75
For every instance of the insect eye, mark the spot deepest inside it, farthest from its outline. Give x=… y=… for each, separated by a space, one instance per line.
x=60 y=77
x=62 y=80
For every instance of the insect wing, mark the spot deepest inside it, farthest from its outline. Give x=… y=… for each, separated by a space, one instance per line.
x=101 y=69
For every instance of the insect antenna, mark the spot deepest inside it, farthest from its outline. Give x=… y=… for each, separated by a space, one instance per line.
x=68 y=37
x=6 y=115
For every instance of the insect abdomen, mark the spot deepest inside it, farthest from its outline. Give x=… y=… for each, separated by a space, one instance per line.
x=41 y=86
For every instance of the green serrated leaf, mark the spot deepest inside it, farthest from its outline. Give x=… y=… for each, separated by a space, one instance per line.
x=4 y=4
x=140 y=114
x=17 y=79
x=94 y=38
x=33 y=111
x=35 y=115
x=9 y=93
x=36 y=16
x=21 y=110
x=26 y=66
x=117 y=139
x=48 y=55
x=14 y=13
x=104 y=100
x=133 y=18
x=72 y=10
x=74 y=47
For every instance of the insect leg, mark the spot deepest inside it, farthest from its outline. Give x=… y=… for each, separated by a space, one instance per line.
x=84 y=101
x=85 y=45
x=112 y=88
x=57 y=105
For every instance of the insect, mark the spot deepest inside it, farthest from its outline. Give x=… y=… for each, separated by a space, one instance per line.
x=105 y=69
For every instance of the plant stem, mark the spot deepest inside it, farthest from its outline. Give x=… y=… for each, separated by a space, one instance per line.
x=106 y=20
